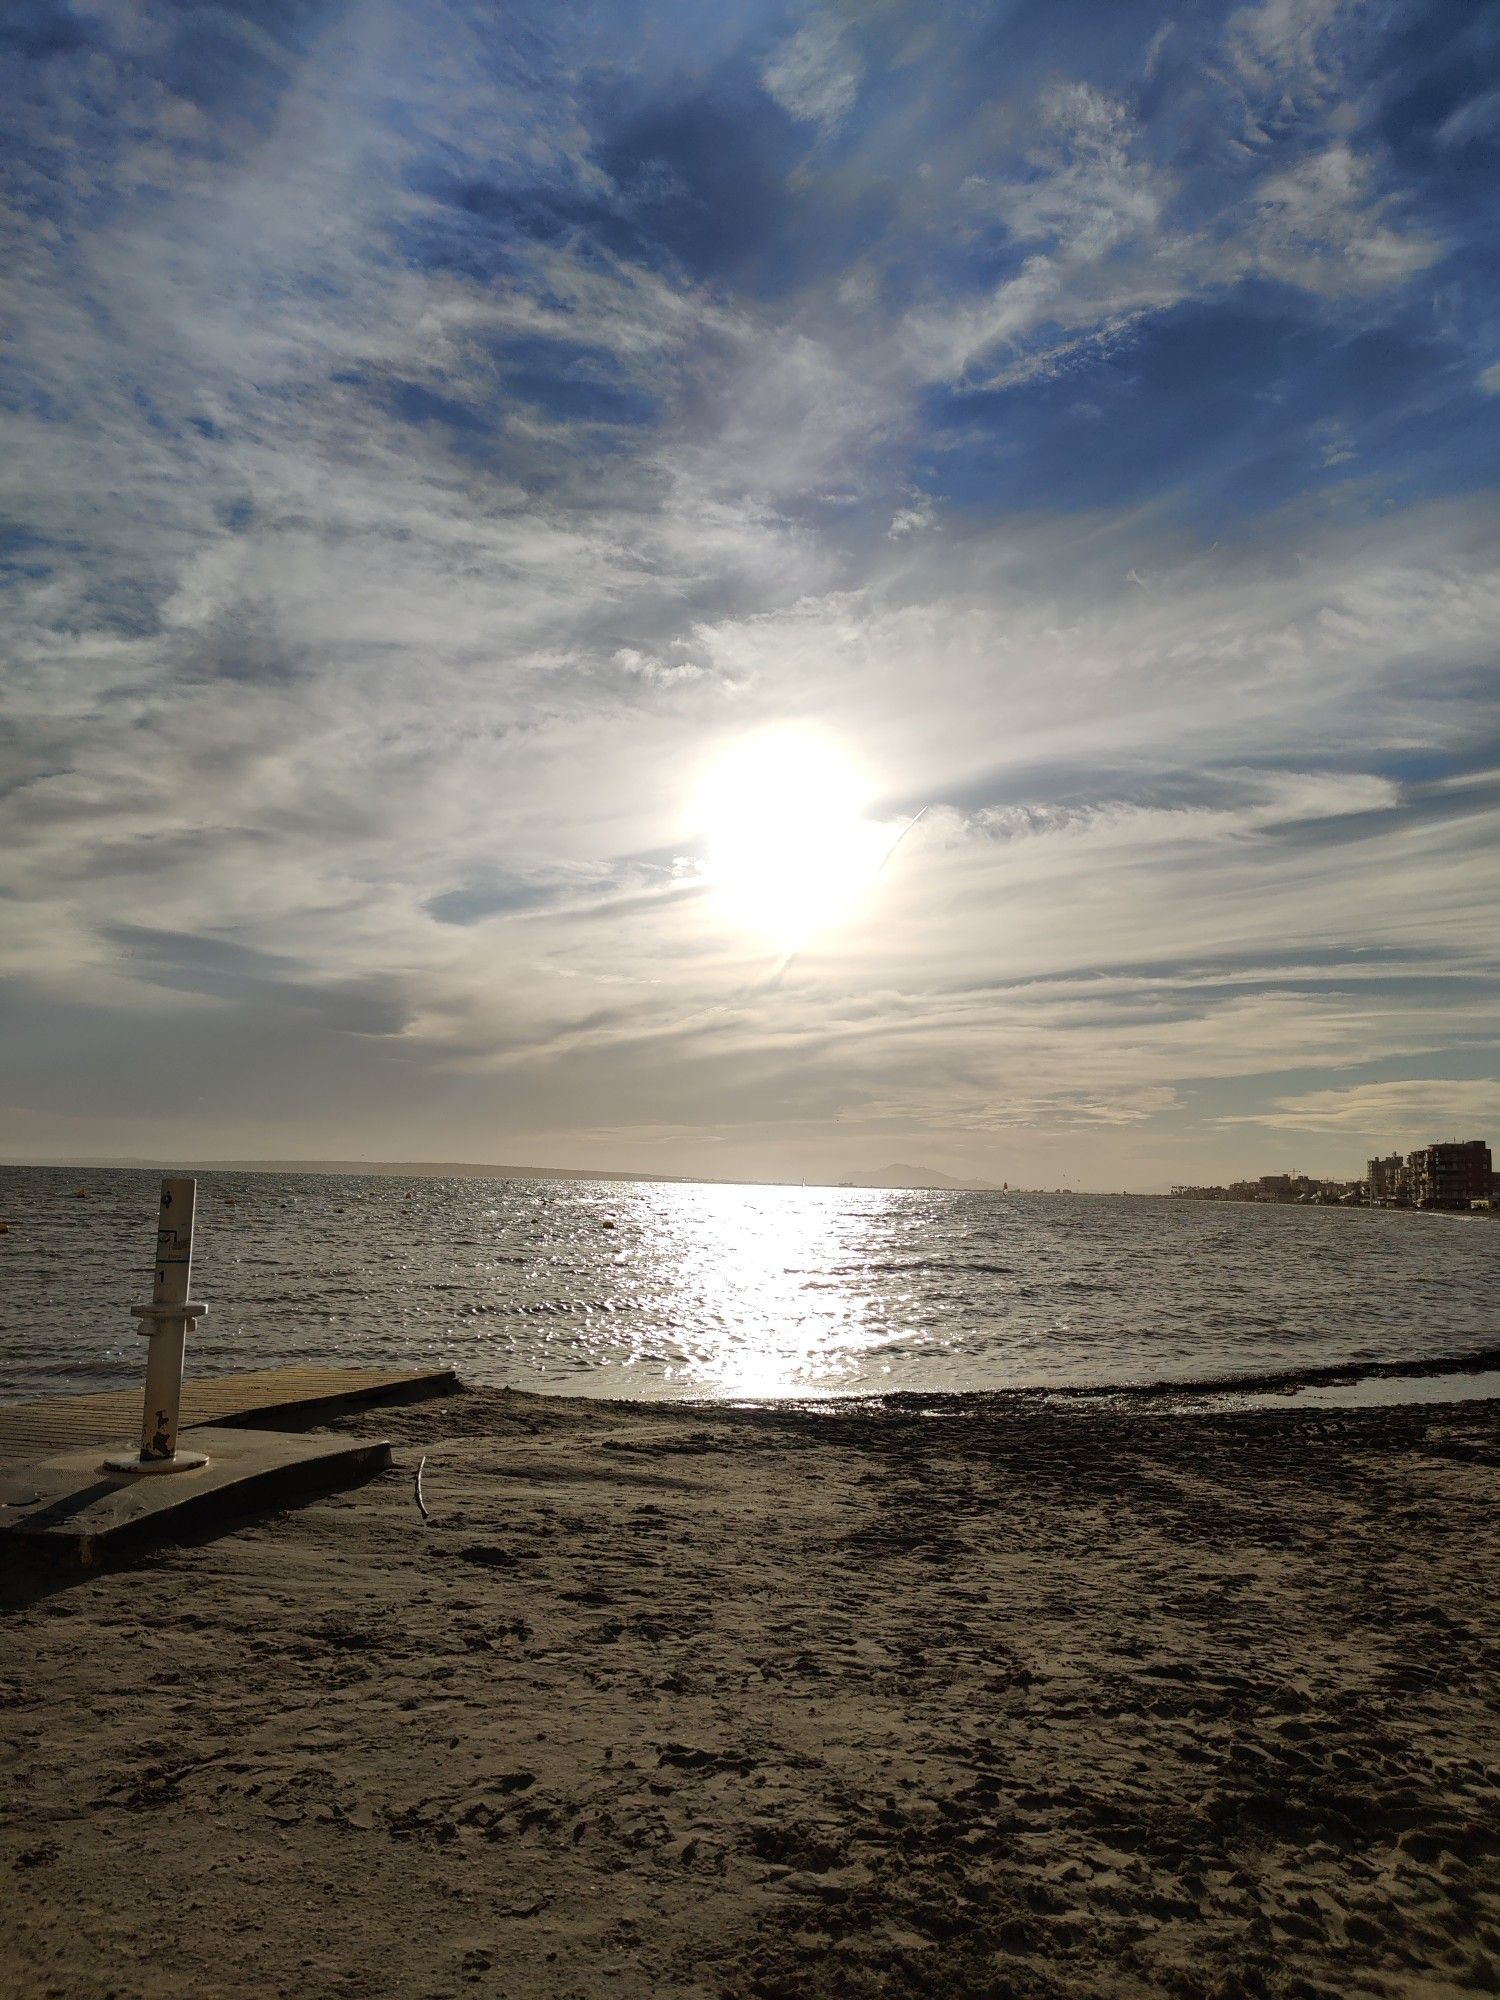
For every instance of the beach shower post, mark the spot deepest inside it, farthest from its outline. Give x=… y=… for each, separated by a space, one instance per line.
x=167 y=1320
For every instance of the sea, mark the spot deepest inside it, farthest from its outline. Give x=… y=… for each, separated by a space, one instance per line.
x=700 y=1290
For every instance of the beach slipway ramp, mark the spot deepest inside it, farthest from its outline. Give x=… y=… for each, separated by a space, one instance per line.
x=60 y=1501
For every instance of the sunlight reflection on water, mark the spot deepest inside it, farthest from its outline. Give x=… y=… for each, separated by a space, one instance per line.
x=654 y=1289
x=756 y=1276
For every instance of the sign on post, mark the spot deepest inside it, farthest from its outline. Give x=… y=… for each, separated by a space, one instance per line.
x=167 y=1320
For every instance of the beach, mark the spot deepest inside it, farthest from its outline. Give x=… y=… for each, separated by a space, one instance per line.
x=984 y=1695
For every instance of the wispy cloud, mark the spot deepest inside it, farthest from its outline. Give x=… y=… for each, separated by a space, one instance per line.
x=1401 y=1115
x=812 y=76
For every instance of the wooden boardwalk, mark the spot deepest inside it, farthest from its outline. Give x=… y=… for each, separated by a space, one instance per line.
x=114 y=1416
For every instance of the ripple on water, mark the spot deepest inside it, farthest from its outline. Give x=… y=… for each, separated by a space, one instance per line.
x=707 y=1290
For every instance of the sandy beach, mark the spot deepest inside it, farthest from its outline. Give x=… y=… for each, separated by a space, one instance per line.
x=989 y=1697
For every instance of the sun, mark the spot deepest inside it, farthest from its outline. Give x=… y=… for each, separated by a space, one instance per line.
x=785 y=838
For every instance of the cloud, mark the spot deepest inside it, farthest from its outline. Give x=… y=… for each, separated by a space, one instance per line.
x=1473 y=122
x=812 y=75
x=1401 y=1114
x=660 y=673
x=1089 y=190
x=912 y=520
x=1320 y=225
x=1121 y=245
x=1284 y=48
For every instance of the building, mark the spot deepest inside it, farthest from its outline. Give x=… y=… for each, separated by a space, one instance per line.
x=1454 y=1175
x=1457 y=1175
x=1279 y=1188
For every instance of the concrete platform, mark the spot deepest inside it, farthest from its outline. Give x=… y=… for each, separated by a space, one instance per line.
x=68 y=1507
x=253 y=1395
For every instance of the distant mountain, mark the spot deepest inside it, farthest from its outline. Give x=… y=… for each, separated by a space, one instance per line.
x=900 y=1175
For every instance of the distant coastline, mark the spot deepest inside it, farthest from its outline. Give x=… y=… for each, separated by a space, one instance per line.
x=1454 y=1175
x=895 y=1176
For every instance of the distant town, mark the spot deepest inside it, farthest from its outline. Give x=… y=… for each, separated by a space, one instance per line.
x=1457 y=1175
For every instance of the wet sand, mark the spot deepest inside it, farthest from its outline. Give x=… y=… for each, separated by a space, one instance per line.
x=1012 y=1699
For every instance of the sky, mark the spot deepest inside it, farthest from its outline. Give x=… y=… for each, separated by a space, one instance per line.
x=438 y=439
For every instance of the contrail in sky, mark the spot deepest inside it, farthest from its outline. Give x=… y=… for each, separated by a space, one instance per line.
x=775 y=975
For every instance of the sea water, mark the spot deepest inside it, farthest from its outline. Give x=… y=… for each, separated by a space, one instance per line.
x=657 y=1289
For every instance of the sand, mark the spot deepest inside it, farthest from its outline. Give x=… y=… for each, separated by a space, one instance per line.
x=987 y=1697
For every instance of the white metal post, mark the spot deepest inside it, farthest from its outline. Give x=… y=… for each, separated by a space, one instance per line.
x=167 y=1319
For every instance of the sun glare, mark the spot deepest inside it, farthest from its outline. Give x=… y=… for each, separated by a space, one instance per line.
x=785 y=837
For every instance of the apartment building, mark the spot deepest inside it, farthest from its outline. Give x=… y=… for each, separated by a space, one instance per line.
x=1454 y=1175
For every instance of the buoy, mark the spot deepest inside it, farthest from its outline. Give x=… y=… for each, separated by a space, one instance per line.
x=230 y=1200
x=608 y=1222
x=4 y=1228
x=77 y=1192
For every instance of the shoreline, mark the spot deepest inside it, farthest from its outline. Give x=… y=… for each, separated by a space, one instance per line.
x=1468 y=1362
x=702 y=1700
x=1473 y=1361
